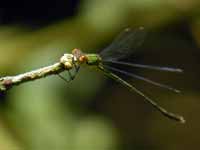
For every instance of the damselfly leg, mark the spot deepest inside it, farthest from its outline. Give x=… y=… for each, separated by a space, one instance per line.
x=76 y=67
x=71 y=75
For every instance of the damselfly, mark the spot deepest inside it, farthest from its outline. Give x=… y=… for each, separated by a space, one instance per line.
x=123 y=46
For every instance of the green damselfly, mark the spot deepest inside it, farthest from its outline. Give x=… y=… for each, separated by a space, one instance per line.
x=123 y=46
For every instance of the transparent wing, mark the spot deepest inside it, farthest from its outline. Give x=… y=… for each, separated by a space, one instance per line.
x=146 y=98
x=124 y=44
x=142 y=78
x=168 y=69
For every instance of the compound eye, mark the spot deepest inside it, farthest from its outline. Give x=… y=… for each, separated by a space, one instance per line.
x=82 y=59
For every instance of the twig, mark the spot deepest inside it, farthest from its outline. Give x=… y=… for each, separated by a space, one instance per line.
x=64 y=64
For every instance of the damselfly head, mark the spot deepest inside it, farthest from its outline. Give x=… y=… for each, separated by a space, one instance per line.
x=79 y=55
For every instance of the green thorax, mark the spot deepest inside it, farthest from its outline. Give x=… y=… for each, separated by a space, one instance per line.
x=93 y=59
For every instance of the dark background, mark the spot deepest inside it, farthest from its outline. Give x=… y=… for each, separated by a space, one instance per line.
x=38 y=13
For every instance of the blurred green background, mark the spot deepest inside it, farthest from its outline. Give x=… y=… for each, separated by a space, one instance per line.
x=94 y=112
